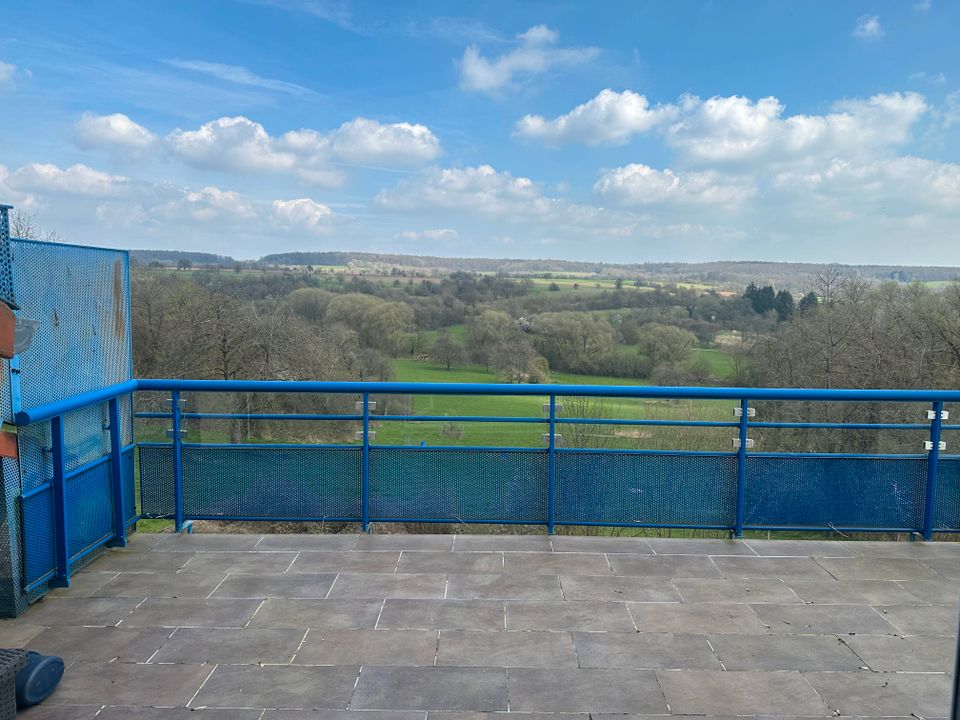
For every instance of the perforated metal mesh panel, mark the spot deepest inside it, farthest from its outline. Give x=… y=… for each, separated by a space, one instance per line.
x=458 y=485
x=254 y=482
x=80 y=296
x=156 y=480
x=646 y=488
x=845 y=492
x=947 y=514
x=36 y=470
x=89 y=509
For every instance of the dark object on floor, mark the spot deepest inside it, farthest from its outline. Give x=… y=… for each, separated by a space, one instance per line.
x=10 y=662
x=38 y=678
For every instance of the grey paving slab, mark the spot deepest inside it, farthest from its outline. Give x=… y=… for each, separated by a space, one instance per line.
x=388 y=585
x=947 y=567
x=569 y=615
x=271 y=714
x=599 y=544
x=438 y=688
x=800 y=548
x=878 y=694
x=128 y=684
x=16 y=633
x=822 y=619
x=84 y=584
x=59 y=712
x=141 y=713
x=645 y=651
x=80 y=611
x=312 y=541
x=504 y=587
x=478 y=648
x=100 y=644
x=191 y=612
x=452 y=715
x=499 y=543
x=230 y=646
x=885 y=549
x=853 y=592
x=291 y=686
x=935 y=592
x=614 y=589
x=668 y=566
x=919 y=620
x=272 y=585
x=412 y=648
x=345 y=561
x=914 y=653
x=230 y=561
x=757 y=590
x=443 y=614
x=585 y=690
x=784 y=652
x=175 y=584
x=404 y=542
x=343 y=715
x=740 y=693
x=877 y=569
x=774 y=611
x=695 y=618
x=695 y=546
x=771 y=567
x=533 y=563
x=330 y=614
x=134 y=561
x=206 y=542
x=417 y=561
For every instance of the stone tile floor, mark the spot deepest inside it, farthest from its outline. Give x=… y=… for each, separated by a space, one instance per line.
x=444 y=627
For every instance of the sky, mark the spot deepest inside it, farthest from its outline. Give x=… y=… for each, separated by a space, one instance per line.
x=635 y=131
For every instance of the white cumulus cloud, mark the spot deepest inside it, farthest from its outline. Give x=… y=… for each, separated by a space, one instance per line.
x=239 y=144
x=868 y=27
x=637 y=184
x=77 y=179
x=116 y=130
x=536 y=52
x=303 y=213
x=610 y=117
x=230 y=143
x=737 y=129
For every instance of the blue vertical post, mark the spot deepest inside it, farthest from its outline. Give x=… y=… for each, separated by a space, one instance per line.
x=741 y=470
x=61 y=541
x=177 y=462
x=552 y=466
x=365 y=467
x=933 y=457
x=117 y=475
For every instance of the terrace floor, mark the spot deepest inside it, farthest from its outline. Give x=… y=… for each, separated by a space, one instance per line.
x=452 y=627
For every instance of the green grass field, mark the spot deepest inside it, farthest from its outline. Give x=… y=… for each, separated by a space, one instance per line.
x=529 y=434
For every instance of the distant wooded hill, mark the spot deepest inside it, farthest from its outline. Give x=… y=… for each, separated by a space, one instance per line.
x=794 y=276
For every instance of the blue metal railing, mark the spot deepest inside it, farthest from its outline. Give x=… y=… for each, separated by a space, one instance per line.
x=575 y=480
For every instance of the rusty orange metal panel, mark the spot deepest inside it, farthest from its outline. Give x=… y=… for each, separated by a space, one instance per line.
x=8 y=330
x=8 y=444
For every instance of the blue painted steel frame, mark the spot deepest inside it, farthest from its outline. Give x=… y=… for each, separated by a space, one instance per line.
x=117 y=479
x=177 y=441
x=930 y=503
x=61 y=577
x=742 y=395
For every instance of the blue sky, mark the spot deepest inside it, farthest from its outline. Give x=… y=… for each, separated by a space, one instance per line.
x=626 y=132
